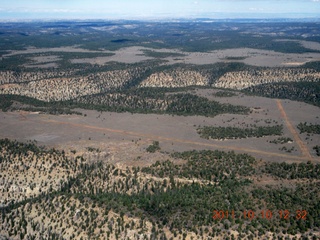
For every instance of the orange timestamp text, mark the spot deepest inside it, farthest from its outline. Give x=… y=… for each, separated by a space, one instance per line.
x=262 y=214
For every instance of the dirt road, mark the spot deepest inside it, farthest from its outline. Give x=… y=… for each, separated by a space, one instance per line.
x=169 y=139
x=304 y=150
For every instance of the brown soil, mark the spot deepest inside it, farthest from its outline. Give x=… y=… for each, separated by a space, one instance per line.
x=303 y=148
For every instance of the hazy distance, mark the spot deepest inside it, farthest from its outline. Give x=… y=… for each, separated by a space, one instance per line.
x=155 y=9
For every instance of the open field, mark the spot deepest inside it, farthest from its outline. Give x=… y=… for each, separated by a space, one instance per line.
x=175 y=133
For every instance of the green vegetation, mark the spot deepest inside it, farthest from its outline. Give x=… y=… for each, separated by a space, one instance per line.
x=235 y=58
x=155 y=54
x=308 y=92
x=294 y=170
x=219 y=187
x=63 y=59
x=309 y=128
x=153 y=147
x=151 y=100
x=14 y=63
x=189 y=191
x=154 y=100
x=288 y=150
x=205 y=165
x=5 y=102
x=96 y=36
x=178 y=195
x=224 y=94
x=15 y=147
x=234 y=133
x=34 y=105
x=281 y=140
x=317 y=149
x=92 y=149
x=188 y=104
x=313 y=65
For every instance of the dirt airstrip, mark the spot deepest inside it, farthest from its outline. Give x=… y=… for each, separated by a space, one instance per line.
x=123 y=137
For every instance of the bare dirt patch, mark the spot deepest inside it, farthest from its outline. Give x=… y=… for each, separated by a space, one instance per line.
x=124 y=55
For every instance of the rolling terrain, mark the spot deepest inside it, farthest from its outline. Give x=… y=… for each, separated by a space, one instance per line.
x=159 y=130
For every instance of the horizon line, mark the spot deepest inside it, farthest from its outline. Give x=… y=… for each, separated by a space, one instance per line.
x=158 y=19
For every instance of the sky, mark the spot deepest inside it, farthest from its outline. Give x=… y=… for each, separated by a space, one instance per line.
x=139 y=9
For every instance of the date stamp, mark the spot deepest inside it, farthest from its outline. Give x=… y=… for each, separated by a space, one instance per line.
x=261 y=214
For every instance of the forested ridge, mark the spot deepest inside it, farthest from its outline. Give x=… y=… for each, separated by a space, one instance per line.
x=144 y=100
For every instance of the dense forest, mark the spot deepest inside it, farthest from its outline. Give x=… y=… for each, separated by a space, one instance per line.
x=189 y=191
x=294 y=170
x=308 y=92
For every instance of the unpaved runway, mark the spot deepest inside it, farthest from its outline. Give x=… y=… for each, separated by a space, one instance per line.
x=305 y=153
x=175 y=133
x=162 y=138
